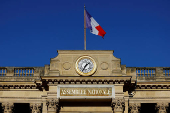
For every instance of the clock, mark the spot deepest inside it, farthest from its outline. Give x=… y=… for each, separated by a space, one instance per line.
x=85 y=66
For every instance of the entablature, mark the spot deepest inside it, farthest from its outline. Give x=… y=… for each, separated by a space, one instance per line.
x=18 y=85
x=86 y=79
x=159 y=85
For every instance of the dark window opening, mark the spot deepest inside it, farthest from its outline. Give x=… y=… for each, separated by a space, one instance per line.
x=21 y=108
x=148 y=108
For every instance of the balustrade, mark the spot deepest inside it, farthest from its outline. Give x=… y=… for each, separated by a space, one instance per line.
x=142 y=73
x=166 y=72
x=145 y=72
x=152 y=73
x=24 y=72
x=3 y=71
x=21 y=71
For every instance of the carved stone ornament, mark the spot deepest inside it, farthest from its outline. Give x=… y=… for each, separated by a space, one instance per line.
x=53 y=105
x=162 y=107
x=104 y=66
x=10 y=70
x=132 y=93
x=118 y=105
x=7 y=107
x=134 y=107
x=35 y=107
x=66 y=65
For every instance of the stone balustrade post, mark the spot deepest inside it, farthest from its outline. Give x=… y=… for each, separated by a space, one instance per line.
x=10 y=71
x=118 y=105
x=134 y=107
x=162 y=107
x=46 y=70
x=7 y=107
x=159 y=71
x=131 y=72
x=53 y=106
x=35 y=107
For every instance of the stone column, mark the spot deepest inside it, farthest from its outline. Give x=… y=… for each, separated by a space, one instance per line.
x=35 y=107
x=53 y=106
x=44 y=109
x=134 y=107
x=118 y=105
x=7 y=107
x=162 y=107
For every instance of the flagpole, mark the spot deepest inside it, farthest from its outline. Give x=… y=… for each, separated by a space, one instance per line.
x=84 y=27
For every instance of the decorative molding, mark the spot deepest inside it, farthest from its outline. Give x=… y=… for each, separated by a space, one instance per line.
x=154 y=86
x=7 y=107
x=134 y=107
x=35 y=107
x=104 y=65
x=118 y=105
x=53 y=105
x=87 y=80
x=162 y=107
x=26 y=86
x=66 y=65
x=13 y=78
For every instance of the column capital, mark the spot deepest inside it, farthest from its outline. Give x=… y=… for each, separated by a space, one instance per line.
x=35 y=107
x=162 y=107
x=53 y=105
x=134 y=107
x=118 y=105
x=7 y=107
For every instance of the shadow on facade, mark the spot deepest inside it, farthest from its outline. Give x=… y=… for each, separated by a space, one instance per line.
x=75 y=104
x=21 y=108
x=148 y=108
x=168 y=109
x=25 y=108
x=1 y=108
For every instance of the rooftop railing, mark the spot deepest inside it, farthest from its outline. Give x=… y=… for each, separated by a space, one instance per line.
x=24 y=72
x=145 y=72
x=166 y=72
x=137 y=73
x=3 y=71
x=149 y=73
x=20 y=73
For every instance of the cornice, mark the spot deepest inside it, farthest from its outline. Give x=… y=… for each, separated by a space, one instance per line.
x=6 y=85
x=85 y=51
x=86 y=80
x=153 y=85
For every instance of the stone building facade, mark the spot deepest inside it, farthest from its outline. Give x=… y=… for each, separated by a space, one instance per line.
x=84 y=81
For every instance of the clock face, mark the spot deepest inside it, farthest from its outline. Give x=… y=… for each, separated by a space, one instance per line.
x=85 y=66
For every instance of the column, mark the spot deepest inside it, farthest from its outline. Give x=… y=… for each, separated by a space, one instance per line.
x=7 y=107
x=162 y=107
x=134 y=107
x=35 y=107
x=118 y=105
x=44 y=109
x=53 y=106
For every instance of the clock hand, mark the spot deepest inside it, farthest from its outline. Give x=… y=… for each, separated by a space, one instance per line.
x=85 y=66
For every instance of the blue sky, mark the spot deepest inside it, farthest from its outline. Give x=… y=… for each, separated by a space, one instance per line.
x=31 y=31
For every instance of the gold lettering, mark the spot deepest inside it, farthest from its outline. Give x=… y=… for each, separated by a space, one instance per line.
x=63 y=92
x=87 y=91
x=73 y=91
x=104 y=91
x=108 y=92
x=100 y=91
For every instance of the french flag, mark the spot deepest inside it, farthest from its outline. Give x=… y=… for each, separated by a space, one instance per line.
x=94 y=27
